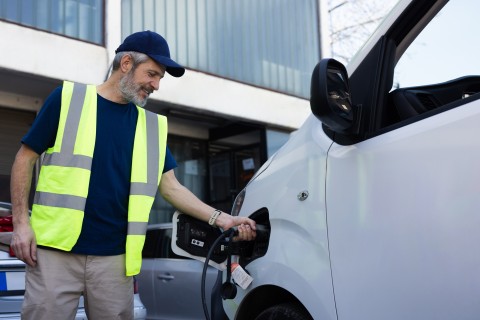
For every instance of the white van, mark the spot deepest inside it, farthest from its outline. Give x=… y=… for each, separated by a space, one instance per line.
x=373 y=204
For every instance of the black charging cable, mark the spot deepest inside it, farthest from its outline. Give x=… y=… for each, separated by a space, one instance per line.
x=226 y=234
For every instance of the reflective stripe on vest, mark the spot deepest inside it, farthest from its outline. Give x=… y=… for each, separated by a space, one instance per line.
x=62 y=189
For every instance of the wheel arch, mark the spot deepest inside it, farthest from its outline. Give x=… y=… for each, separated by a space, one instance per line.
x=262 y=298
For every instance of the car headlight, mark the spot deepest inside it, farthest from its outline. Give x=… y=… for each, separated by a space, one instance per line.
x=237 y=205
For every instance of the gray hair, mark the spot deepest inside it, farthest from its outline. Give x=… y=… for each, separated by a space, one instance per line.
x=137 y=57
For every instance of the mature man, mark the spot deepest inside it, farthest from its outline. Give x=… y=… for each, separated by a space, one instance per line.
x=105 y=158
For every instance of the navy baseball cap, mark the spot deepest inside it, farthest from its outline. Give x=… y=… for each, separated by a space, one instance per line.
x=153 y=45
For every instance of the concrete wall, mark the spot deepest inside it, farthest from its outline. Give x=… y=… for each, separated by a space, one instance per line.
x=48 y=55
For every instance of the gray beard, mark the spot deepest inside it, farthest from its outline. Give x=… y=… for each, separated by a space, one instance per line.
x=130 y=90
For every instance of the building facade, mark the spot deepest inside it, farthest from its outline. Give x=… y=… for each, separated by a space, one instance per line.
x=245 y=90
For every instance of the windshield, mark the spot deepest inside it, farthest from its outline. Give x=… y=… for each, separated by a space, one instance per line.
x=446 y=49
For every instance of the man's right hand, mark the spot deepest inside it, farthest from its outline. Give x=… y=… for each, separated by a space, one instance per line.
x=24 y=244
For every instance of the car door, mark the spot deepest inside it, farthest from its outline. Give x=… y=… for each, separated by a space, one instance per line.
x=403 y=206
x=170 y=285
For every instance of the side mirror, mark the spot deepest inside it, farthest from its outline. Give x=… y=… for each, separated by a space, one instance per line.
x=330 y=97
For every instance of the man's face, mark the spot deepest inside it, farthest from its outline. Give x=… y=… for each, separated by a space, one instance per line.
x=137 y=85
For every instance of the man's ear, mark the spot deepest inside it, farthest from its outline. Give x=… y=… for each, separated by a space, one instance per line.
x=126 y=63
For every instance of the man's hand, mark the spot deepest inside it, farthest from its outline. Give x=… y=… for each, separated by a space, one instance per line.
x=246 y=227
x=24 y=244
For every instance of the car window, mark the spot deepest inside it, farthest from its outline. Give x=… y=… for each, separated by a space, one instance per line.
x=158 y=244
x=445 y=50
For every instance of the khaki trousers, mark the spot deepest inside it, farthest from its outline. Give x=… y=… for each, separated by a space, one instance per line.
x=54 y=286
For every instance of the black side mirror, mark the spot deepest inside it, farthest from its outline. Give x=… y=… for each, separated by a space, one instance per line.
x=330 y=97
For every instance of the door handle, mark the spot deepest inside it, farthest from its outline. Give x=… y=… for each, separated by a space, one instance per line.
x=165 y=277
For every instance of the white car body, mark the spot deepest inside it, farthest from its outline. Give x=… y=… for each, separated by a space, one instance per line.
x=385 y=227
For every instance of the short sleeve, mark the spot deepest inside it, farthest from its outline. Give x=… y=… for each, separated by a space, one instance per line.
x=170 y=162
x=43 y=132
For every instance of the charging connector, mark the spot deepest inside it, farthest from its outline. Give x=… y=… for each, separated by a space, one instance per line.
x=197 y=237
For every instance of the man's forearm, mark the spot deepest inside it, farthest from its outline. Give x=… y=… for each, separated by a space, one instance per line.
x=20 y=184
x=185 y=201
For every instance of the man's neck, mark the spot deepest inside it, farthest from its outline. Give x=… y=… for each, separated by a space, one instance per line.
x=109 y=90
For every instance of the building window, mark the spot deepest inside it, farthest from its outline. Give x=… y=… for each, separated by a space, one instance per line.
x=79 y=19
x=275 y=140
x=270 y=43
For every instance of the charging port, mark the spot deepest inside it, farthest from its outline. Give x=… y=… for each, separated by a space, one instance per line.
x=251 y=250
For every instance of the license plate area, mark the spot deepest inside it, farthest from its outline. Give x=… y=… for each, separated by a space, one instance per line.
x=12 y=283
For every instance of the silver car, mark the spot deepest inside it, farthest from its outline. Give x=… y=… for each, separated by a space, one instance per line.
x=170 y=285
x=12 y=282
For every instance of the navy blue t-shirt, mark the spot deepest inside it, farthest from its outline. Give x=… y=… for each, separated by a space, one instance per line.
x=104 y=226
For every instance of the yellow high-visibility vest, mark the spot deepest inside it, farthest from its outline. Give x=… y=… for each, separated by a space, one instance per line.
x=62 y=189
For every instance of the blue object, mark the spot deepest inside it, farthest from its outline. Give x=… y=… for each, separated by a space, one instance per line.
x=3 y=281
x=153 y=45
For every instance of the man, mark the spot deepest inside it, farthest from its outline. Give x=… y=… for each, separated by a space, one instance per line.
x=105 y=157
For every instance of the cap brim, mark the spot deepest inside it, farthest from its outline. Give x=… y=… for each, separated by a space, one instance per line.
x=171 y=66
